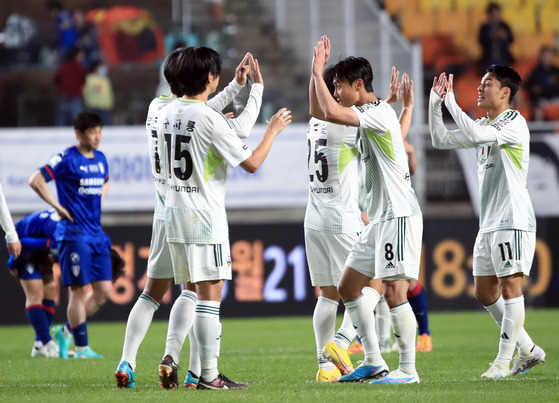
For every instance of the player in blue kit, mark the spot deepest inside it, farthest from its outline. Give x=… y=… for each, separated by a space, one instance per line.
x=33 y=270
x=81 y=174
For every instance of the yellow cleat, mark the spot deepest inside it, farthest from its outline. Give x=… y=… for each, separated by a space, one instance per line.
x=324 y=376
x=339 y=357
x=424 y=343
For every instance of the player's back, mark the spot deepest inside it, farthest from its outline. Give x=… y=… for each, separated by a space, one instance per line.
x=387 y=178
x=333 y=204
x=41 y=224
x=502 y=172
x=199 y=143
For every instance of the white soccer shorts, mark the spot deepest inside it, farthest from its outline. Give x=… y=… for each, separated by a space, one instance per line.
x=389 y=250
x=194 y=263
x=159 y=260
x=503 y=253
x=326 y=255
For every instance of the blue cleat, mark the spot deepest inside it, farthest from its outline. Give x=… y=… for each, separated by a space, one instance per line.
x=125 y=376
x=398 y=377
x=87 y=353
x=191 y=380
x=365 y=372
x=62 y=340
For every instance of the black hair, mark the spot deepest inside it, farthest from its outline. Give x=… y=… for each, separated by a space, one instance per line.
x=117 y=264
x=72 y=53
x=507 y=76
x=352 y=68
x=492 y=7
x=193 y=66
x=54 y=5
x=87 y=120
x=94 y=65
x=329 y=74
x=170 y=71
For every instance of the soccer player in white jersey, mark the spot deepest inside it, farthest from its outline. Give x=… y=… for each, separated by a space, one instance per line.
x=389 y=248
x=12 y=240
x=160 y=271
x=199 y=143
x=505 y=244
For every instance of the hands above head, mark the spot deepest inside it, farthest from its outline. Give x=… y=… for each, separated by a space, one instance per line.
x=440 y=85
x=255 y=71
x=280 y=120
x=242 y=70
x=408 y=99
x=229 y=115
x=321 y=55
x=394 y=88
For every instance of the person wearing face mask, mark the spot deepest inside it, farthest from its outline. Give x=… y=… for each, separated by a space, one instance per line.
x=98 y=92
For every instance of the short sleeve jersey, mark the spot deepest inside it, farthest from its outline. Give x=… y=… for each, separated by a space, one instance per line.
x=155 y=152
x=79 y=184
x=41 y=224
x=333 y=204
x=199 y=144
x=502 y=171
x=386 y=178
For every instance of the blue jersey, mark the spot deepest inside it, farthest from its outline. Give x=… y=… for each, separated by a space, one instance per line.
x=79 y=184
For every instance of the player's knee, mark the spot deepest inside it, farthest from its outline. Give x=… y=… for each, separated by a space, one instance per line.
x=347 y=292
x=102 y=296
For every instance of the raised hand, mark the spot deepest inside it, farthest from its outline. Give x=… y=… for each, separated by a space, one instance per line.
x=407 y=96
x=327 y=48
x=394 y=88
x=449 y=84
x=242 y=70
x=440 y=85
x=255 y=70
x=280 y=120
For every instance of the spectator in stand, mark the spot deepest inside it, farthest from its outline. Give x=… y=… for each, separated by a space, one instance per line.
x=64 y=25
x=86 y=38
x=495 y=38
x=543 y=82
x=216 y=11
x=69 y=81
x=98 y=92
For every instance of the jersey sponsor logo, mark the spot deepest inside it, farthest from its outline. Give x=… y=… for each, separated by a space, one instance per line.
x=29 y=268
x=407 y=176
x=185 y=189
x=370 y=105
x=74 y=258
x=328 y=189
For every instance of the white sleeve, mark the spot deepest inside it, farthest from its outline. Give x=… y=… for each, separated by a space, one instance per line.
x=227 y=144
x=244 y=123
x=6 y=220
x=368 y=119
x=224 y=98
x=478 y=134
x=442 y=138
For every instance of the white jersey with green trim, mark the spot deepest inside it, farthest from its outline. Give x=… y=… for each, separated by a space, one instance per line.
x=387 y=178
x=503 y=153
x=333 y=204
x=199 y=144
x=155 y=151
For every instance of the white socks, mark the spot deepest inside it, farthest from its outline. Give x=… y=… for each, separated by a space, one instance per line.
x=346 y=333
x=384 y=328
x=208 y=336
x=137 y=326
x=194 y=364
x=361 y=312
x=497 y=309
x=324 y=325
x=404 y=325
x=180 y=322
x=513 y=322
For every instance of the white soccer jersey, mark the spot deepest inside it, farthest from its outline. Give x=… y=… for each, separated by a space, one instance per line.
x=155 y=152
x=333 y=204
x=199 y=144
x=503 y=153
x=387 y=178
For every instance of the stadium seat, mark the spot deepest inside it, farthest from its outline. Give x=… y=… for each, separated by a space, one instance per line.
x=397 y=7
x=549 y=20
x=451 y=22
x=527 y=45
x=467 y=45
x=522 y=103
x=525 y=66
x=417 y=23
x=434 y=4
x=465 y=88
x=433 y=46
x=470 y=4
x=551 y=111
x=520 y=20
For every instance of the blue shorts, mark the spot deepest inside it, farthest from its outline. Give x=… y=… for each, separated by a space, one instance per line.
x=27 y=265
x=84 y=262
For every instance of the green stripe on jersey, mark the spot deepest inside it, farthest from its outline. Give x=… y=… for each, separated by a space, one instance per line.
x=384 y=142
x=515 y=154
x=211 y=164
x=345 y=156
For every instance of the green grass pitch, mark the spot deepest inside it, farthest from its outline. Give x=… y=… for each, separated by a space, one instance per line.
x=277 y=358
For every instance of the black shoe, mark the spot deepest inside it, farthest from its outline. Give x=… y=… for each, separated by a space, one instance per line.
x=168 y=373
x=221 y=382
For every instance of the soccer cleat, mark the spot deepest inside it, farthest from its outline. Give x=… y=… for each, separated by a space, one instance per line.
x=522 y=363
x=424 y=343
x=50 y=349
x=365 y=372
x=87 y=353
x=324 y=376
x=397 y=377
x=497 y=370
x=125 y=376
x=62 y=340
x=221 y=382
x=168 y=373
x=356 y=348
x=338 y=356
x=191 y=380
x=37 y=350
